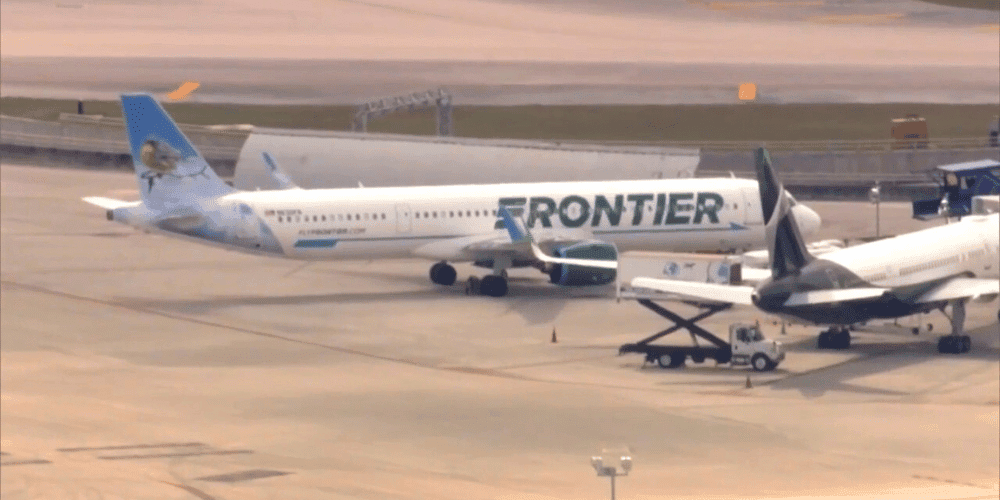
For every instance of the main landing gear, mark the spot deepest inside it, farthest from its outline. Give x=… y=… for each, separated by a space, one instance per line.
x=837 y=337
x=443 y=274
x=957 y=342
x=493 y=285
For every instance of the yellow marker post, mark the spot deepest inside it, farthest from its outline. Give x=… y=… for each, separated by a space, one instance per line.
x=748 y=91
x=183 y=91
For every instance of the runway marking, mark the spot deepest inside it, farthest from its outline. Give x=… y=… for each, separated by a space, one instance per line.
x=183 y=91
x=752 y=5
x=192 y=490
x=178 y=454
x=246 y=475
x=25 y=462
x=948 y=481
x=130 y=447
x=855 y=19
x=989 y=28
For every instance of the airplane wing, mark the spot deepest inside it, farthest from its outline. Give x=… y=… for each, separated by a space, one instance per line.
x=961 y=288
x=699 y=292
x=835 y=295
x=516 y=243
x=110 y=203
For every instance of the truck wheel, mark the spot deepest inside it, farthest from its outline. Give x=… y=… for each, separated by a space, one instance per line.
x=663 y=360
x=677 y=360
x=760 y=362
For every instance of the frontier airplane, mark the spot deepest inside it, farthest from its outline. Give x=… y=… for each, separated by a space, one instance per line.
x=578 y=226
x=912 y=273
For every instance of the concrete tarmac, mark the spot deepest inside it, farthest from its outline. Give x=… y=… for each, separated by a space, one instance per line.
x=137 y=366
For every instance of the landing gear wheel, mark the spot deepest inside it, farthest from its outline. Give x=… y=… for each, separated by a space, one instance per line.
x=842 y=339
x=761 y=363
x=494 y=286
x=443 y=274
x=954 y=344
x=823 y=341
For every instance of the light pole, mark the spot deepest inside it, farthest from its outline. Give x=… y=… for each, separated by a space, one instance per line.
x=875 y=196
x=625 y=462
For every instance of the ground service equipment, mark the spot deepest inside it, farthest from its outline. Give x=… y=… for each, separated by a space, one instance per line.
x=747 y=344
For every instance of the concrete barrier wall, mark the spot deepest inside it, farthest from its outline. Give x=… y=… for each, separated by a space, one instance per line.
x=95 y=134
x=99 y=142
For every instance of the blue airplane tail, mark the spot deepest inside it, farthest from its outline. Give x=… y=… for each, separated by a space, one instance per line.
x=170 y=172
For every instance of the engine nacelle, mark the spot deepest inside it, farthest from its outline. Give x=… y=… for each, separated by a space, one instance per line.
x=571 y=275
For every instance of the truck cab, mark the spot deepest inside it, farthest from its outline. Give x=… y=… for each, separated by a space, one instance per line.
x=750 y=347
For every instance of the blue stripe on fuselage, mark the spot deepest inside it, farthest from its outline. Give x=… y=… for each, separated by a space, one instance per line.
x=322 y=243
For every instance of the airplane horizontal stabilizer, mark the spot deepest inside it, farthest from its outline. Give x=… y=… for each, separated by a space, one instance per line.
x=701 y=292
x=961 y=288
x=110 y=203
x=830 y=296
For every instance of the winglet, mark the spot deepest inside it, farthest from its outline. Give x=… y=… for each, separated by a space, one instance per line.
x=277 y=173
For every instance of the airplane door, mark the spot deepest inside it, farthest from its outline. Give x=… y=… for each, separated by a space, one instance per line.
x=752 y=213
x=403 y=223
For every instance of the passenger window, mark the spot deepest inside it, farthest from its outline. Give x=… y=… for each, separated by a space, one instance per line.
x=348 y=216
x=357 y=216
x=451 y=214
x=383 y=216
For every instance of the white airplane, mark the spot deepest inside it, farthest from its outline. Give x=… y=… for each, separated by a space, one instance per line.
x=580 y=225
x=913 y=273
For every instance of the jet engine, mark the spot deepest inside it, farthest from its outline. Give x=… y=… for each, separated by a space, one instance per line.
x=573 y=275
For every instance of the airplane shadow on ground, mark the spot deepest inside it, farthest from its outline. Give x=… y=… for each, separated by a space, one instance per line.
x=875 y=357
x=208 y=305
x=535 y=301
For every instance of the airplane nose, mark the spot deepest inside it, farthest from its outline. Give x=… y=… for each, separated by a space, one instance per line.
x=808 y=220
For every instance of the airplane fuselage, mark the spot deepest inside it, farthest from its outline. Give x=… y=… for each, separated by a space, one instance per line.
x=680 y=214
x=909 y=266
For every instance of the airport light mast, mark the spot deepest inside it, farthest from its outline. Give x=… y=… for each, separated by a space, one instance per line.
x=625 y=462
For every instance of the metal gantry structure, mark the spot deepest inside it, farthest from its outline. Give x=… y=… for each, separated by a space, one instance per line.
x=438 y=98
